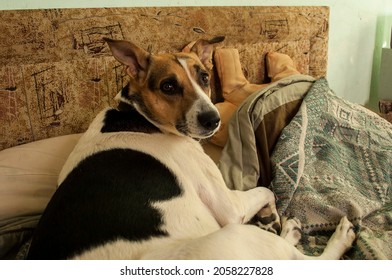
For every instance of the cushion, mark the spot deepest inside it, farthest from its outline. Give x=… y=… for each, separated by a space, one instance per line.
x=28 y=179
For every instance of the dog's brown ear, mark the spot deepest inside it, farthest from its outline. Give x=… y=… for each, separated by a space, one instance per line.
x=204 y=49
x=134 y=57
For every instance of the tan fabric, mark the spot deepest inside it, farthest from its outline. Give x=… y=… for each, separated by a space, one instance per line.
x=267 y=135
x=236 y=88
x=239 y=162
x=279 y=66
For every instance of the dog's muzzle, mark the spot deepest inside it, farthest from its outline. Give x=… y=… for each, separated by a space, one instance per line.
x=201 y=121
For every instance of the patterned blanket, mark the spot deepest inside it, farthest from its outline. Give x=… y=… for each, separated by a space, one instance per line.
x=334 y=158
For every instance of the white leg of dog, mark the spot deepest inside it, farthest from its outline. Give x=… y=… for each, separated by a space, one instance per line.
x=339 y=243
x=254 y=201
x=238 y=207
x=291 y=230
x=234 y=241
x=233 y=206
x=249 y=242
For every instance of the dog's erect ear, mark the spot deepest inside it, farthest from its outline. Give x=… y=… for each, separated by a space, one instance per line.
x=134 y=57
x=204 y=49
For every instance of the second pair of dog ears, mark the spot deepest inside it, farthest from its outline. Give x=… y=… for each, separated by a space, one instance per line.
x=188 y=47
x=204 y=49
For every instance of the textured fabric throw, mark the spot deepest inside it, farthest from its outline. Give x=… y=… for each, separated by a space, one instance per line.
x=335 y=159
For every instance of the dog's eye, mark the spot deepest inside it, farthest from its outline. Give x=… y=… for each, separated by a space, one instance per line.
x=205 y=78
x=169 y=87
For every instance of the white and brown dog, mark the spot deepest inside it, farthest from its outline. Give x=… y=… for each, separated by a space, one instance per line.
x=139 y=186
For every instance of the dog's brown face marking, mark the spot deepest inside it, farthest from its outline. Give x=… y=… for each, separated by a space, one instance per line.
x=169 y=93
x=170 y=90
x=178 y=89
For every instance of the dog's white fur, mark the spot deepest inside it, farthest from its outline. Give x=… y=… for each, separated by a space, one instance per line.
x=207 y=220
x=209 y=215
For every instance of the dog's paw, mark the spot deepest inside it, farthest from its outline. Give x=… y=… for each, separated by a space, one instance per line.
x=291 y=230
x=268 y=219
x=344 y=233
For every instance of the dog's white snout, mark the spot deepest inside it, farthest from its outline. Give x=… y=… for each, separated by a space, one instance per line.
x=209 y=120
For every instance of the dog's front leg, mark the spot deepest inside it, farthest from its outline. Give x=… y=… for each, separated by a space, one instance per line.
x=233 y=206
x=253 y=201
x=260 y=208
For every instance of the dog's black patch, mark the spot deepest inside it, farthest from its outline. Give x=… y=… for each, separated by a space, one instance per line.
x=127 y=119
x=125 y=91
x=106 y=197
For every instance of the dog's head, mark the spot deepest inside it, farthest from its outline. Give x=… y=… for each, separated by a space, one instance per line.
x=171 y=90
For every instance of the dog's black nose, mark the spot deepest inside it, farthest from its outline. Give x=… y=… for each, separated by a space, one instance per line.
x=209 y=120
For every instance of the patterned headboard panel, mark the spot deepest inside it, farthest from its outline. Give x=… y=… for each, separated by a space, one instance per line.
x=56 y=73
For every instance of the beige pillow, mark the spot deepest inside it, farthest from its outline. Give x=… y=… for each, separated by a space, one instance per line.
x=28 y=175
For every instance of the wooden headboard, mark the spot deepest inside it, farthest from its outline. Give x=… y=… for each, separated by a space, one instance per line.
x=56 y=73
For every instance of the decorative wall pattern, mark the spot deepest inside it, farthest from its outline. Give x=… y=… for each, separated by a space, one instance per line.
x=56 y=72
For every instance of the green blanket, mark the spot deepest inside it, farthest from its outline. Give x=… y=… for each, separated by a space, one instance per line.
x=333 y=159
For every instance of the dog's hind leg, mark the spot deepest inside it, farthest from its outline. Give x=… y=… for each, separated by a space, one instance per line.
x=291 y=230
x=232 y=242
x=339 y=243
